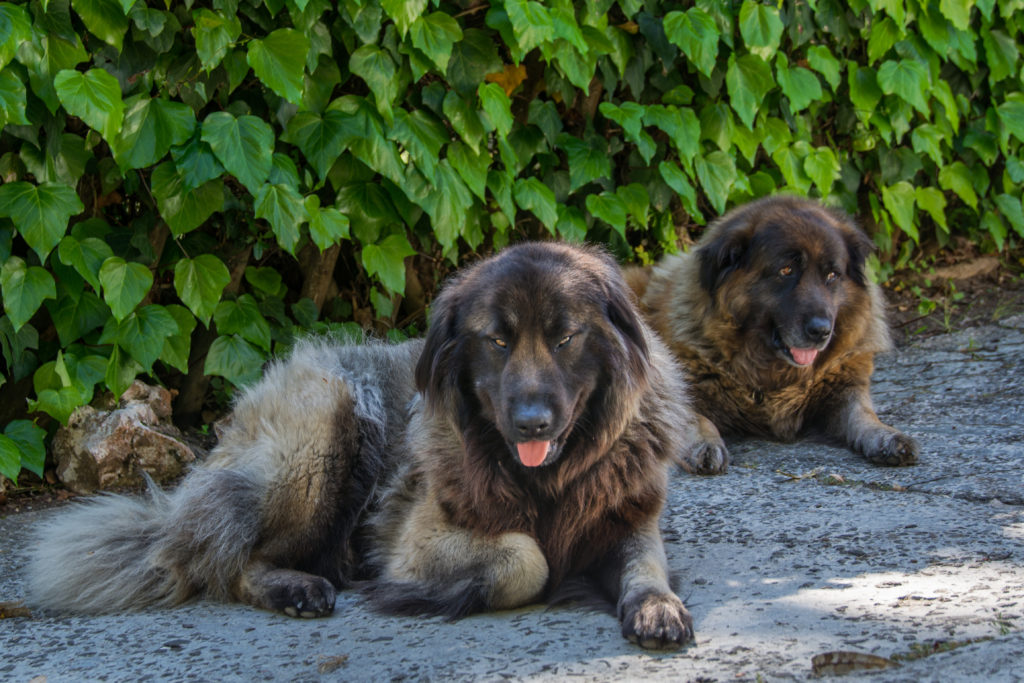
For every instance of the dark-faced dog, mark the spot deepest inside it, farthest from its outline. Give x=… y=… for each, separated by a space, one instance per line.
x=777 y=325
x=524 y=443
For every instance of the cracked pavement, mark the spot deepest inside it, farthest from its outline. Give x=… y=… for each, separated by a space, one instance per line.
x=801 y=549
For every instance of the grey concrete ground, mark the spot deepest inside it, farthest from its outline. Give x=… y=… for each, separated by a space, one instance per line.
x=799 y=550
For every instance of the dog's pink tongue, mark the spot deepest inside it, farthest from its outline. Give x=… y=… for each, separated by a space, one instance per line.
x=532 y=453
x=803 y=356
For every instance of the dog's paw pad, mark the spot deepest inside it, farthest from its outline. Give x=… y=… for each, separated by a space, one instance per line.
x=896 y=450
x=303 y=596
x=658 y=622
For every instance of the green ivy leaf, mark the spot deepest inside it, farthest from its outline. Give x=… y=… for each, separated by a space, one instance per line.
x=587 y=161
x=200 y=282
x=471 y=167
x=1001 y=54
x=376 y=67
x=234 y=359
x=177 y=347
x=125 y=285
x=283 y=208
x=958 y=12
x=637 y=202
x=15 y=29
x=927 y=139
x=214 y=33
x=696 y=34
x=122 y=370
x=244 y=145
x=40 y=212
x=534 y=196
x=682 y=127
x=864 y=91
x=243 y=317
x=473 y=57
x=150 y=127
x=85 y=256
x=404 y=12
x=94 y=97
x=12 y=100
x=76 y=313
x=822 y=61
x=104 y=18
x=386 y=260
x=1010 y=208
x=899 y=200
x=609 y=208
x=798 y=84
x=327 y=226
x=31 y=442
x=823 y=168
x=790 y=160
x=184 y=210
x=748 y=79
x=531 y=23
x=24 y=288
x=884 y=34
x=144 y=332
x=957 y=177
x=497 y=106
x=422 y=136
x=266 y=279
x=717 y=173
x=279 y=61
x=572 y=225
x=907 y=80
x=933 y=201
x=10 y=459
x=760 y=27
x=434 y=35
x=1011 y=113
x=678 y=181
x=195 y=162
x=322 y=139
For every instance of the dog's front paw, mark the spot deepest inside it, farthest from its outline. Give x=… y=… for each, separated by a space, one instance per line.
x=657 y=621
x=298 y=594
x=892 y=448
x=706 y=452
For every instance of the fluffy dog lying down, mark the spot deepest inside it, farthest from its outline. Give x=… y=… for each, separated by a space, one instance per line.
x=535 y=450
x=777 y=326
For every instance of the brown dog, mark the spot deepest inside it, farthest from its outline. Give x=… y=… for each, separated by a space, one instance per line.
x=777 y=325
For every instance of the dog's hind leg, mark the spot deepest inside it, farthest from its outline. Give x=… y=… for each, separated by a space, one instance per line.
x=435 y=567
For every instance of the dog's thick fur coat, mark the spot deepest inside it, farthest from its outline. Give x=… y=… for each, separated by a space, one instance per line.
x=526 y=441
x=777 y=326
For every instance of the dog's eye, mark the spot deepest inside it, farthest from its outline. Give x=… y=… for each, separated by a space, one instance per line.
x=786 y=271
x=831 y=277
x=563 y=341
x=499 y=342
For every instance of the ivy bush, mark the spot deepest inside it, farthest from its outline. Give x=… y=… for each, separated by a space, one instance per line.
x=186 y=184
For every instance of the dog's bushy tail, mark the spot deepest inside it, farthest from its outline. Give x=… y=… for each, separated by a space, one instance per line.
x=116 y=553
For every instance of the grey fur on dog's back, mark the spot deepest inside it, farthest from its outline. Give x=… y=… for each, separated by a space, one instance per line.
x=116 y=552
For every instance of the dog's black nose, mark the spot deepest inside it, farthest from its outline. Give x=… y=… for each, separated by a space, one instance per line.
x=818 y=328
x=532 y=419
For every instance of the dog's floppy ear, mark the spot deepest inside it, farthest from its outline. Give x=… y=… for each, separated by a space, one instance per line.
x=622 y=313
x=723 y=254
x=437 y=369
x=859 y=246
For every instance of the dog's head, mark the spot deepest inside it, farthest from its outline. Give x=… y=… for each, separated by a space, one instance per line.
x=528 y=346
x=784 y=267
